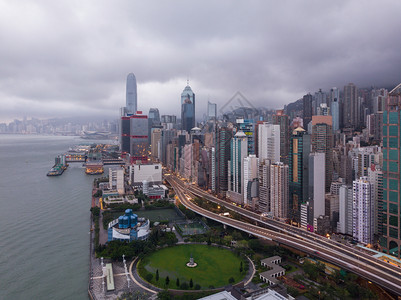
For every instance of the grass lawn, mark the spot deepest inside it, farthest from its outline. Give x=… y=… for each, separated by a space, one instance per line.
x=215 y=266
x=157 y=215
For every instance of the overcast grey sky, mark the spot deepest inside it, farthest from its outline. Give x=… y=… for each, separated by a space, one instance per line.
x=67 y=58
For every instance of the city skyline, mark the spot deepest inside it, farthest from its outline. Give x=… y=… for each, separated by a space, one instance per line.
x=70 y=59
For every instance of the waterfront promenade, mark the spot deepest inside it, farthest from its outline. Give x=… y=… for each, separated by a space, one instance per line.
x=97 y=288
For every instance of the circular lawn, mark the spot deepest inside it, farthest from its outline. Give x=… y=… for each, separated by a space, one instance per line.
x=216 y=267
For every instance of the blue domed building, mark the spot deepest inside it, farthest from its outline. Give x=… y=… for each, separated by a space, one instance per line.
x=128 y=228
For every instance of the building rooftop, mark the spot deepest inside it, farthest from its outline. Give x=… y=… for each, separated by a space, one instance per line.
x=298 y=129
x=224 y=295
x=240 y=134
x=270 y=259
x=396 y=91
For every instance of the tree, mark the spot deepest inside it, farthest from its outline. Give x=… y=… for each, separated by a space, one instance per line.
x=167 y=280
x=353 y=289
x=197 y=287
x=241 y=268
x=163 y=295
x=236 y=235
x=231 y=280
x=311 y=270
x=177 y=282
x=95 y=211
x=184 y=286
x=157 y=275
x=191 y=284
x=149 y=277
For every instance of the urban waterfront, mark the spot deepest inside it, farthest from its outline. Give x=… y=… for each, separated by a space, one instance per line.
x=44 y=221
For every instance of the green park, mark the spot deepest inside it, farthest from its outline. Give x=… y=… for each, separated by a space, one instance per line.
x=215 y=267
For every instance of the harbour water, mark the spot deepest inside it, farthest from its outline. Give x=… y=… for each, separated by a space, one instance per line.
x=44 y=221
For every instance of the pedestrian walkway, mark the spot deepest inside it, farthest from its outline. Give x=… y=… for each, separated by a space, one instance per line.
x=138 y=281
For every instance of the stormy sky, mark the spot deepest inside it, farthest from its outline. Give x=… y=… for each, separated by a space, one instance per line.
x=71 y=58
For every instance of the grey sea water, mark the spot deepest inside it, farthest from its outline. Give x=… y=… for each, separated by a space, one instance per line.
x=44 y=221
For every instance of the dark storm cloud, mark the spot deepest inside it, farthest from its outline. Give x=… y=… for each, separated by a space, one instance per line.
x=61 y=58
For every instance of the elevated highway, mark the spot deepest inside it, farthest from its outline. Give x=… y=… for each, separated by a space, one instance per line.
x=346 y=257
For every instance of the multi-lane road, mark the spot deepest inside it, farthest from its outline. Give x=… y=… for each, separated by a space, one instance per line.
x=359 y=262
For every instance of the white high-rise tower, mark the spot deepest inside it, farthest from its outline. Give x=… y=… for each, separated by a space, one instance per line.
x=269 y=142
x=363 y=209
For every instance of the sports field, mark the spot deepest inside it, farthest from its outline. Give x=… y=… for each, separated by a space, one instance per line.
x=191 y=228
x=214 y=269
x=158 y=215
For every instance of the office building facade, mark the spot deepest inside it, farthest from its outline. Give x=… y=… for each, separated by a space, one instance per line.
x=350 y=105
x=269 y=141
x=223 y=141
x=131 y=95
x=187 y=109
x=322 y=141
x=363 y=210
x=307 y=110
x=251 y=172
x=239 y=150
x=390 y=217
x=316 y=190
x=298 y=172
x=280 y=118
x=279 y=190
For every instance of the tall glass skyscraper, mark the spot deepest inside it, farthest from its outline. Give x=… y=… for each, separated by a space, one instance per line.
x=223 y=140
x=307 y=110
x=187 y=109
x=211 y=111
x=298 y=172
x=239 y=150
x=153 y=121
x=131 y=95
x=390 y=208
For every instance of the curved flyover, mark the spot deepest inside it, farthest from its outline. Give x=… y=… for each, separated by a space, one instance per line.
x=357 y=262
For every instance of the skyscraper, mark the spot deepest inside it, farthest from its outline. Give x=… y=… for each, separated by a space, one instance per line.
x=298 y=171
x=307 y=110
x=223 y=139
x=350 y=116
x=131 y=95
x=239 y=150
x=344 y=224
x=376 y=178
x=279 y=190
x=211 y=111
x=251 y=170
x=335 y=112
x=316 y=186
x=322 y=141
x=391 y=206
x=187 y=109
x=125 y=135
x=153 y=121
x=269 y=141
x=280 y=118
x=156 y=143
x=264 y=185
x=363 y=209
x=126 y=113
x=139 y=137
x=247 y=126
x=319 y=99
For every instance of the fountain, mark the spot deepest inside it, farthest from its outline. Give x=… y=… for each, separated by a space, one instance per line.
x=191 y=263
